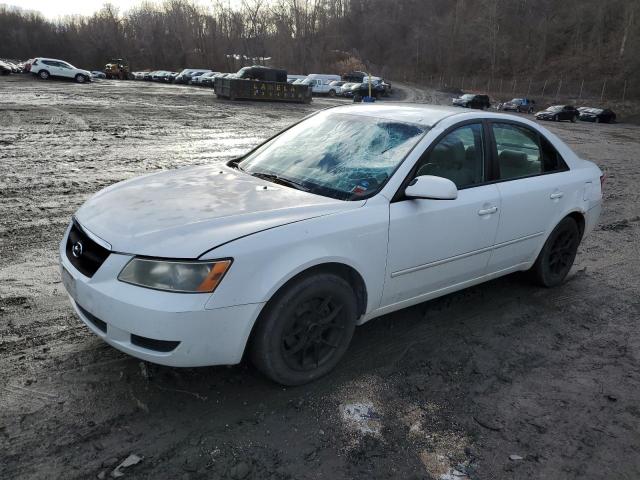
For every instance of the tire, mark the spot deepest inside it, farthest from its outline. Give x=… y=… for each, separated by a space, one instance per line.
x=573 y=119
x=556 y=118
x=557 y=255
x=530 y=111
x=80 y=78
x=305 y=329
x=43 y=74
x=597 y=119
x=332 y=93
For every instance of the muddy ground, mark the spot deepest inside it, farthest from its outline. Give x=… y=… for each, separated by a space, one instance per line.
x=503 y=380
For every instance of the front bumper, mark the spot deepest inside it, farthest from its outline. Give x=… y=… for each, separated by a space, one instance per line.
x=161 y=327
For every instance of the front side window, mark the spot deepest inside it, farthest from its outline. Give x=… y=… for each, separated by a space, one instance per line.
x=523 y=152
x=459 y=156
x=348 y=157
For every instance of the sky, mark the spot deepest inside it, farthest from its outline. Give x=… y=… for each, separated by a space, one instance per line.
x=55 y=8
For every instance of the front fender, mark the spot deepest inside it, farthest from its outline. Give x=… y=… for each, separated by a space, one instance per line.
x=265 y=261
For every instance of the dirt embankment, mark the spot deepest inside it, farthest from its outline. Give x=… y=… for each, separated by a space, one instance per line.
x=503 y=380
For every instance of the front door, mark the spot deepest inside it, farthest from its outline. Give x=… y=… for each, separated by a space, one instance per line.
x=435 y=244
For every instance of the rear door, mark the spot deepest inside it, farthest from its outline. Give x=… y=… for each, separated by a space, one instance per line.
x=534 y=184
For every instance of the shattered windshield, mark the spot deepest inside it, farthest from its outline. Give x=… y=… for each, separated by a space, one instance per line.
x=348 y=157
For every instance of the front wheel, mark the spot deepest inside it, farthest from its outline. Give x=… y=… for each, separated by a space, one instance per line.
x=557 y=255
x=81 y=78
x=332 y=93
x=305 y=329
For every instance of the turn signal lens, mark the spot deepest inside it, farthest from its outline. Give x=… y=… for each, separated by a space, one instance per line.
x=175 y=275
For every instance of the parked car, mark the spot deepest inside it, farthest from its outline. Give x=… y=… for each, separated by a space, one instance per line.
x=470 y=100
x=193 y=77
x=98 y=74
x=346 y=87
x=185 y=75
x=362 y=90
x=5 y=69
x=208 y=79
x=160 y=76
x=198 y=80
x=284 y=251
x=138 y=75
x=519 y=105
x=321 y=84
x=51 y=67
x=353 y=89
x=558 y=113
x=597 y=115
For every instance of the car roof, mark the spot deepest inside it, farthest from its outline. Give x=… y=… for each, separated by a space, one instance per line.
x=421 y=114
x=52 y=59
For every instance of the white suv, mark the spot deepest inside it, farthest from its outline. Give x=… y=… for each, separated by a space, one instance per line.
x=51 y=67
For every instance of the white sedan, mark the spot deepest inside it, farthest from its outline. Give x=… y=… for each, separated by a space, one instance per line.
x=354 y=212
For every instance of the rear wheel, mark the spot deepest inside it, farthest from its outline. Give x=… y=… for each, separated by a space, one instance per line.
x=43 y=74
x=305 y=329
x=557 y=255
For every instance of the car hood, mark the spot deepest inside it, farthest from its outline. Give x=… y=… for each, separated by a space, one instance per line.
x=184 y=213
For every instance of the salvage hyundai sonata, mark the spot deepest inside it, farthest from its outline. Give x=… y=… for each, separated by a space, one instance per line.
x=354 y=212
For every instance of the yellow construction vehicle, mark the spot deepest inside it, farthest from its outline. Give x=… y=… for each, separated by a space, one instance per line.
x=118 y=69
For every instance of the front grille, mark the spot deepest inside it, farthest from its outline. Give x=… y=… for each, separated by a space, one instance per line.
x=88 y=256
x=99 y=324
x=152 y=344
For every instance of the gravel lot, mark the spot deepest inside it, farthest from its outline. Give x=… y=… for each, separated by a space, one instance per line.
x=550 y=378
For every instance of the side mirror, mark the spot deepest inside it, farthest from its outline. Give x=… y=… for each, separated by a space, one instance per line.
x=429 y=186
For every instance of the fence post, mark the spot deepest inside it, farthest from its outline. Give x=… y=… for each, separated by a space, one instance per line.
x=581 y=87
x=603 y=87
x=544 y=87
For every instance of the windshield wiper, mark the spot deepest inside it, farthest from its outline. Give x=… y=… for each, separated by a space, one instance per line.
x=276 y=179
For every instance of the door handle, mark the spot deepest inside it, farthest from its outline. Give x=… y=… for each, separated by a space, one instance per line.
x=556 y=195
x=488 y=211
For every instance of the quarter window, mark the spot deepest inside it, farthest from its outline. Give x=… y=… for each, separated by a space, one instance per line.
x=459 y=156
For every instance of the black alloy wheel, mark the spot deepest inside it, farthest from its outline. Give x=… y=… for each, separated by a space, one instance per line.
x=305 y=329
x=558 y=254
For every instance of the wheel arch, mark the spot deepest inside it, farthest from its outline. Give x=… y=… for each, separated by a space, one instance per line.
x=345 y=271
x=576 y=215
x=341 y=269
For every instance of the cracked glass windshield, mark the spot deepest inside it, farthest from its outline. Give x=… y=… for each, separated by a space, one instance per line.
x=348 y=157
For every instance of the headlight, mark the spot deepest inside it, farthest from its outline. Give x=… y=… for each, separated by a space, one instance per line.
x=175 y=276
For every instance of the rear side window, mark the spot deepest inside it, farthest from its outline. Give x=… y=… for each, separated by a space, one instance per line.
x=522 y=152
